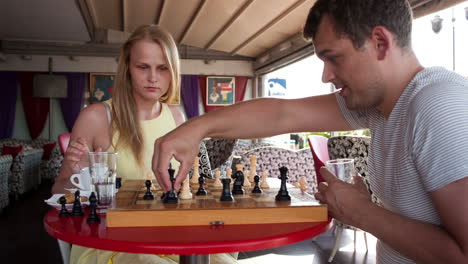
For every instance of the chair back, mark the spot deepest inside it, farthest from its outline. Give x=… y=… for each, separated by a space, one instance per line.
x=318 y=146
x=63 y=140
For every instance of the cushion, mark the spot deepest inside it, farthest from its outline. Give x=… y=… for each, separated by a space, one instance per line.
x=48 y=150
x=12 y=150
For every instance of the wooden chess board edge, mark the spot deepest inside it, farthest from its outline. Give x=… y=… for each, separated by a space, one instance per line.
x=129 y=218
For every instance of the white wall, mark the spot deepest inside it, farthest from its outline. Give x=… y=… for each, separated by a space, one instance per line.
x=103 y=64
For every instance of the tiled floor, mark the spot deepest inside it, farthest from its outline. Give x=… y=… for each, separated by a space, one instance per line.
x=23 y=240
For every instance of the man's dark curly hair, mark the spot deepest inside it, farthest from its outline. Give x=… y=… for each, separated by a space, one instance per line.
x=356 y=18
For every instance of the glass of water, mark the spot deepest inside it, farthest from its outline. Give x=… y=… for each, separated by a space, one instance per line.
x=343 y=169
x=103 y=172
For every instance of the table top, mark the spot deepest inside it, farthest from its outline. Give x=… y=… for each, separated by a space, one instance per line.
x=184 y=240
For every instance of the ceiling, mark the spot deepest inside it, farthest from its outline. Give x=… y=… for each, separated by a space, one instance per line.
x=263 y=31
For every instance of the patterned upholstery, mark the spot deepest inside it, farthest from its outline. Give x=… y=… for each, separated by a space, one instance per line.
x=5 y=172
x=352 y=147
x=25 y=171
x=49 y=169
x=220 y=152
x=241 y=147
x=270 y=158
x=204 y=162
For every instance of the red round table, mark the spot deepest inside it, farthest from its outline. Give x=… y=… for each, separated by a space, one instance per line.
x=185 y=241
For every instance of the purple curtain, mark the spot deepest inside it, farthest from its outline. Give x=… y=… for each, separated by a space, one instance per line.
x=71 y=106
x=8 y=86
x=189 y=94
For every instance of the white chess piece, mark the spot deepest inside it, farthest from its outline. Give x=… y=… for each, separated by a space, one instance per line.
x=239 y=167
x=217 y=182
x=303 y=184
x=196 y=173
x=253 y=168
x=185 y=193
x=246 y=180
x=228 y=174
x=264 y=183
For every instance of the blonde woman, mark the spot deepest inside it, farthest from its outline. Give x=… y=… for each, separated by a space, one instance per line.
x=147 y=79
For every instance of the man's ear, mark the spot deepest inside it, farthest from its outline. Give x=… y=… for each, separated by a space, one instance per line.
x=381 y=40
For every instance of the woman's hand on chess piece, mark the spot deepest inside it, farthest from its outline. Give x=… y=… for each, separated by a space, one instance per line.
x=346 y=202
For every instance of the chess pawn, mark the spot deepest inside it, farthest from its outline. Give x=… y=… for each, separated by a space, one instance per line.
x=196 y=173
x=303 y=184
x=217 y=182
x=228 y=173
x=253 y=168
x=246 y=181
x=150 y=176
x=264 y=183
x=185 y=193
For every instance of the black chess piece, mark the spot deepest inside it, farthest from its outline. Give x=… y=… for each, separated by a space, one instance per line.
x=63 y=210
x=256 y=188
x=171 y=196
x=77 y=210
x=118 y=182
x=201 y=189
x=238 y=183
x=93 y=216
x=148 y=194
x=283 y=194
x=226 y=195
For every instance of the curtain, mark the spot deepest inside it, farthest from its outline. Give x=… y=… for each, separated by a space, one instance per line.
x=189 y=94
x=71 y=105
x=239 y=91
x=8 y=86
x=36 y=110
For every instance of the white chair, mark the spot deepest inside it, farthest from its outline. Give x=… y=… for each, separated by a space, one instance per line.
x=65 y=249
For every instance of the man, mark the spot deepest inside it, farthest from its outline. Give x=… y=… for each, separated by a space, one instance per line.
x=418 y=162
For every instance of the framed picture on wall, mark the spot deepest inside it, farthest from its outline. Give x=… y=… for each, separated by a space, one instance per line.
x=100 y=86
x=220 y=90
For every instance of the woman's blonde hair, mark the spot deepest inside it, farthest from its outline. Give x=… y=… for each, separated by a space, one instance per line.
x=124 y=110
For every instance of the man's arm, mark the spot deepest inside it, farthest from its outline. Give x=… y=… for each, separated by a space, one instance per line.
x=251 y=119
x=421 y=242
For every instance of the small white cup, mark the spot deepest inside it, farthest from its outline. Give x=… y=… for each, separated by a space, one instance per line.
x=82 y=180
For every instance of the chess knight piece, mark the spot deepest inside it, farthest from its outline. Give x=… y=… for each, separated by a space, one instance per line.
x=238 y=183
x=283 y=194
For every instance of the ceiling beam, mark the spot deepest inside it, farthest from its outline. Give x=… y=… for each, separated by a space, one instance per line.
x=229 y=23
x=102 y=50
x=124 y=17
x=159 y=14
x=87 y=17
x=268 y=26
x=192 y=20
x=422 y=8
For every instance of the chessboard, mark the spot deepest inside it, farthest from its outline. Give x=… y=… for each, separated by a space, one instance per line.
x=131 y=210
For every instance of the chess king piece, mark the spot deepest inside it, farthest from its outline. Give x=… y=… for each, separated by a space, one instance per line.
x=217 y=182
x=283 y=194
x=93 y=216
x=201 y=190
x=246 y=181
x=264 y=183
x=196 y=172
x=238 y=183
x=77 y=210
x=185 y=193
x=148 y=194
x=63 y=210
x=256 y=188
x=171 y=196
x=226 y=195
x=253 y=168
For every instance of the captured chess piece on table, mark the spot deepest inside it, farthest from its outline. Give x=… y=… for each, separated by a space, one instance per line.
x=63 y=210
x=283 y=194
x=77 y=209
x=148 y=194
x=93 y=216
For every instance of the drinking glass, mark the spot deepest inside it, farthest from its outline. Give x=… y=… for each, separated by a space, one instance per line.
x=103 y=171
x=343 y=169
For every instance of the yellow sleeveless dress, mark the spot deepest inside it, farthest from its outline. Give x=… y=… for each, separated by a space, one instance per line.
x=126 y=169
